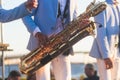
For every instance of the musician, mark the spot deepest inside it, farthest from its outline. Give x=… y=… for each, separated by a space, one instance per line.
x=18 y=12
x=105 y=45
x=90 y=72
x=14 y=75
x=48 y=19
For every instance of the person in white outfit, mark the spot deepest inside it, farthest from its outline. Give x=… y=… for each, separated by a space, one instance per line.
x=47 y=17
x=105 y=45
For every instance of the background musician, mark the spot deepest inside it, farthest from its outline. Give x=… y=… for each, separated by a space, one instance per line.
x=105 y=48
x=14 y=75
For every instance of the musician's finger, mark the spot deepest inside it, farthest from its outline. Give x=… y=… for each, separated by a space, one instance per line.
x=85 y=21
x=35 y=5
x=109 y=65
x=40 y=44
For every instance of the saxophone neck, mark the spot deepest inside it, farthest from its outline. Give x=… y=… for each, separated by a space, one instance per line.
x=94 y=1
x=91 y=5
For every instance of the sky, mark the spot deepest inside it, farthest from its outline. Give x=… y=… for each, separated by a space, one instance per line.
x=15 y=34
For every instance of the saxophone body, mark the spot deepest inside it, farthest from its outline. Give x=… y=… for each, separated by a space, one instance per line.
x=73 y=32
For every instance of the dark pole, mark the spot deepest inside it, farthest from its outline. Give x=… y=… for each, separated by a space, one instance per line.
x=3 y=65
x=2 y=56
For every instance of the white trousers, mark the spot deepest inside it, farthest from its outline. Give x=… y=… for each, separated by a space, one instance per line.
x=61 y=68
x=110 y=74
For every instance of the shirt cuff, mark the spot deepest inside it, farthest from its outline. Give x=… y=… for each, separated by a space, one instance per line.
x=36 y=30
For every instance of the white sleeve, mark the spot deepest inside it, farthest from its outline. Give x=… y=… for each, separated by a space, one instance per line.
x=36 y=30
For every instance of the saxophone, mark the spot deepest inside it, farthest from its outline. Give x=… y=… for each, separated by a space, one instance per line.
x=73 y=32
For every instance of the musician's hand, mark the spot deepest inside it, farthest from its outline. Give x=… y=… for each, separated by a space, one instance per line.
x=30 y=4
x=108 y=63
x=85 y=21
x=42 y=39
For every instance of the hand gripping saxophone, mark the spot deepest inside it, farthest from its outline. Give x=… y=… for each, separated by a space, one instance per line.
x=73 y=32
